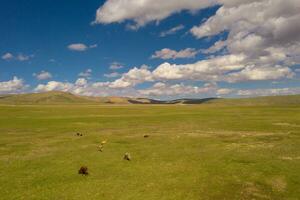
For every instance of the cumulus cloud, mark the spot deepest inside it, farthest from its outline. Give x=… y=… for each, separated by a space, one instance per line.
x=266 y=32
x=249 y=15
x=81 y=47
x=43 y=75
x=78 y=47
x=143 y=12
x=229 y=68
x=15 y=85
x=262 y=43
x=92 y=46
x=269 y=92
x=158 y=90
x=7 y=56
x=171 y=31
x=162 y=89
x=219 y=45
x=262 y=73
x=172 y=54
x=82 y=87
x=54 y=86
x=20 y=57
x=81 y=82
x=112 y=75
x=132 y=78
x=213 y=69
x=224 y=91
x=86 y=74
x=116 y=65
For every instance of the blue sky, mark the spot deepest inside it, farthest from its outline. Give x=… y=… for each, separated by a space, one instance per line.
x=159 y=50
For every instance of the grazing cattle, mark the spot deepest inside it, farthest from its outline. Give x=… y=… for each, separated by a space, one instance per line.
x=127 y=156
x=83 y=170
x=100 y=147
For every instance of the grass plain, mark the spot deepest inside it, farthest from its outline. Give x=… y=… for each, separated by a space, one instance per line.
x=207 y=151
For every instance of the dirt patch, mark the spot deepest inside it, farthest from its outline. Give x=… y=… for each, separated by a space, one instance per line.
x=249 y=146
x=289 y=158
x=252 y=191
x=278 y=183
x=286 y=124
x=229 y=134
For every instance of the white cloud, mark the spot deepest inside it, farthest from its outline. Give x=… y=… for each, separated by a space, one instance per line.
x=263 y=40
x=7 y=56
x=269 y=92
x=86 y=74
x=219 y=45
x=263 y=43
x=172 y=54
x=229 y=68
x=212 y=69
x=159 y=90
x=248 y=15
x=166 y=71
x=171 y=31
x=261 y=73
x=116 y=65
x=83 y=87
x=224 y=91
x=266 y=32
x=81 y=82
x=20 y=57
x=81 y=47
x=162 y=90
x=15 y=85
x=143 y=12
x=93 y=46
x=132 y=78
x=112 y=75
x=78 y=47
x=54 y=86
x=43 y=75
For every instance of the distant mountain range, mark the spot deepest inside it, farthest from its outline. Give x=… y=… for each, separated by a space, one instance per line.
x=57 y=97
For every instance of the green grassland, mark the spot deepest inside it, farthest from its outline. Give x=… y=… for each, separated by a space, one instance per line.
x=223 y=149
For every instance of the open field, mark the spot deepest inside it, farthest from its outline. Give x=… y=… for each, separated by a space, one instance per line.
x=207 y=151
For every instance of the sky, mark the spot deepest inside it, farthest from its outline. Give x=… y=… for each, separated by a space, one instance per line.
x=151 y=48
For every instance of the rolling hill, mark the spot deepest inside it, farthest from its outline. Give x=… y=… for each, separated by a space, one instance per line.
x=57 y=97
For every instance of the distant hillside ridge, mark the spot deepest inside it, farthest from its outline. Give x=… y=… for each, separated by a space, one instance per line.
x=58 y=97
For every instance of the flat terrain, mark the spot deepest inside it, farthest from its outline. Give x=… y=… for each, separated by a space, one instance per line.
x=207 y=151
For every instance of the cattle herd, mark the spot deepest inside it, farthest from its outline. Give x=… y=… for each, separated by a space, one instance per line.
x=84 y=169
